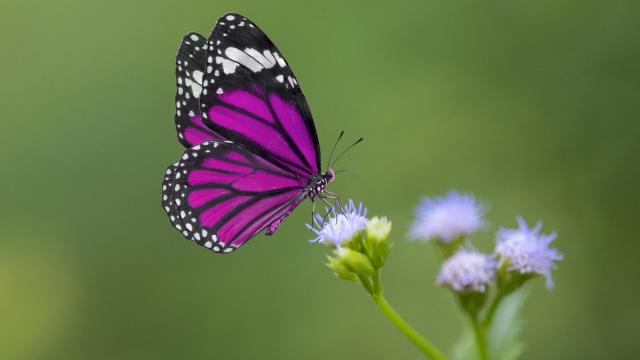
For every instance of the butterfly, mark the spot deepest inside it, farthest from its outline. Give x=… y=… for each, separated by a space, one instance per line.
x=252 y=148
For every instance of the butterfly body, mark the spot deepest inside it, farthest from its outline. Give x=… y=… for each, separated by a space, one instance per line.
x=252 y=153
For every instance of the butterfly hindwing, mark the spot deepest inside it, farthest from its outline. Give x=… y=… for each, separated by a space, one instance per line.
x=220 y=194
x=190 y=67
x=168 y=204
x=251 y=96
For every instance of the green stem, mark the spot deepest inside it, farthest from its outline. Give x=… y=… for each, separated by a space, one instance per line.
x=488 y=317
x=481 y=340
x=423 y=344
x=377 y=285
x=367 y=284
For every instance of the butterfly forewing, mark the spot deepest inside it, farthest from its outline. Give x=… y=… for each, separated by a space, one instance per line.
x=220 y=194
x=190 y=68
x=251 y=96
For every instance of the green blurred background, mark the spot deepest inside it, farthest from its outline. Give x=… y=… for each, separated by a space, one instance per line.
x=532 y=105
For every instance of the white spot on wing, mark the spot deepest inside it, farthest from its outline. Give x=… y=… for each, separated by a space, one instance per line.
x=197 y=76
x=280 y=60
x=196 y=88
x=269 y=56
x=243 y=58
x=228 y=66
x=261 y=58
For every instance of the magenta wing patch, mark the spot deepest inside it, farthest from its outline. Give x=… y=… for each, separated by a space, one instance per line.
x=220 y=195
x=250 y=96
x=190 y=67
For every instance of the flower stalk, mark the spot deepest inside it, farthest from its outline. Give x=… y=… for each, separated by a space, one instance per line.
x=491 y=310
x=481 y=339
x=373 y=285
x=418 y=340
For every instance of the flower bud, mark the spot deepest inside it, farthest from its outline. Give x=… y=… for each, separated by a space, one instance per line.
x=340 y=270
x=355 y=261
x=377 y=245
x=472 y=302
x=378 y=228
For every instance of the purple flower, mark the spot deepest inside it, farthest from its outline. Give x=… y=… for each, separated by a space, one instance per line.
x=447 y=217
x=338 y=228
x=527 y=251
x=467 y=271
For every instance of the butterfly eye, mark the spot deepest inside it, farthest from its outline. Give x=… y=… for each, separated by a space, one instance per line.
x=330 y=175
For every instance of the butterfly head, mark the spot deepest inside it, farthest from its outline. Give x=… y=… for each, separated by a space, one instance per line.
x=330 y=175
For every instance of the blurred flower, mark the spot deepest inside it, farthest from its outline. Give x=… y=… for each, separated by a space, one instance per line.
x=448 y=217
x=467 y=271
x=527 y=251
x=339 y=228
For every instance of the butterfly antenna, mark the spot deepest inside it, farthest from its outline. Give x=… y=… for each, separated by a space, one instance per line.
x=355 y=176
x=334 y=147
x=345 y=151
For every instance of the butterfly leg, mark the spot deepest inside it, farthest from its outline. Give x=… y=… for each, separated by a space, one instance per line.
x=340 y=205
x=330 y=194
x=313 y=211
x=326 y=215
x=334 y=196
x=331 y=207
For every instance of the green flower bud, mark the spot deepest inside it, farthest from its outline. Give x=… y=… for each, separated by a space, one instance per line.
x=472 y=302
x=447 y=249
x=355 y=261
x=509 y=281
x=378 y=228
x=340 y=270
x=355 y=243
x=376 y=242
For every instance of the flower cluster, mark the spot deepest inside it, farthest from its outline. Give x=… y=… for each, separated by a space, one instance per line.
x=523 y=251
x=360 y=245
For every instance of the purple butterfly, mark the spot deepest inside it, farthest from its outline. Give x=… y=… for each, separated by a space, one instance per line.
x=253 y=152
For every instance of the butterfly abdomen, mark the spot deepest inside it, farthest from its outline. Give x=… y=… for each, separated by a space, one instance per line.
x=274 y=225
